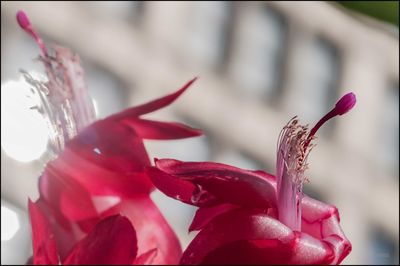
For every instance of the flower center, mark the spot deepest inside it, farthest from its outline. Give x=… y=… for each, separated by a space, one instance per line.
x=294 y=146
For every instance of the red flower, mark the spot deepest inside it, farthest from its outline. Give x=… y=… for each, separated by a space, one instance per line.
x=107 y=158
x=100 y=172
x=251 y=217
x=99 y=168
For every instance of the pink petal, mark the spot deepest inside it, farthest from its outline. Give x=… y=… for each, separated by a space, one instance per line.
x=112 y=241
x=321 y=221
x=146 y=258
x=227 y=183
x=152 y=105
x=148 y=129
x=44 y=245
x=206 y=214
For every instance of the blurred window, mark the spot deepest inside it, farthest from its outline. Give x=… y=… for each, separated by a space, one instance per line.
x=108 y=93
x=314 y=79
x=256 y=62
x=383 y=249
x=390 y=129
x=206 y=32
x=116 y=10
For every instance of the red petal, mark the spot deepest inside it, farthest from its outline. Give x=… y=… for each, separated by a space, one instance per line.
x=111 y=145
x=112 y=241
x=146 y=258
x=153 y=105
x=245 y=252
x=148 y=129
x=301 y=250
x=180 y=189
x=66 y=233
x=44 y=245
x=101 y=181
x=262 y=239
x=63 y=192
x=232 y=226
x=227 y=183
x=153 y=231
x=205 y=214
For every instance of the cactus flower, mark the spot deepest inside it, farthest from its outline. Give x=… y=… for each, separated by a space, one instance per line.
x=98 y=166
x=252 y=217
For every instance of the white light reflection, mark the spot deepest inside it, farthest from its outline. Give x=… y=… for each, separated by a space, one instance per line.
x=103 y=203
x=9 y=223
x=24 y=133
x=95 y=106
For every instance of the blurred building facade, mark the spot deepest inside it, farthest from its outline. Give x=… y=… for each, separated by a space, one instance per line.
x=260 y=63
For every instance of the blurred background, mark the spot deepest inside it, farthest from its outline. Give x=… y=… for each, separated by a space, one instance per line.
x=259 y=63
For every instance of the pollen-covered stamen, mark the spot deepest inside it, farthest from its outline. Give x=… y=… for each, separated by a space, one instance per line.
x=293 y=150
x=291 y=165
x=291 y=145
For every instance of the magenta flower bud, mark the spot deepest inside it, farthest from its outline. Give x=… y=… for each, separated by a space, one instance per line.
x=345 y=103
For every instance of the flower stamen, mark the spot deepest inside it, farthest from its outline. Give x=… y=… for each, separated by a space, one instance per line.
x=294 y=146
x=65 y=102
x=345 y=104
x=26 y=25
